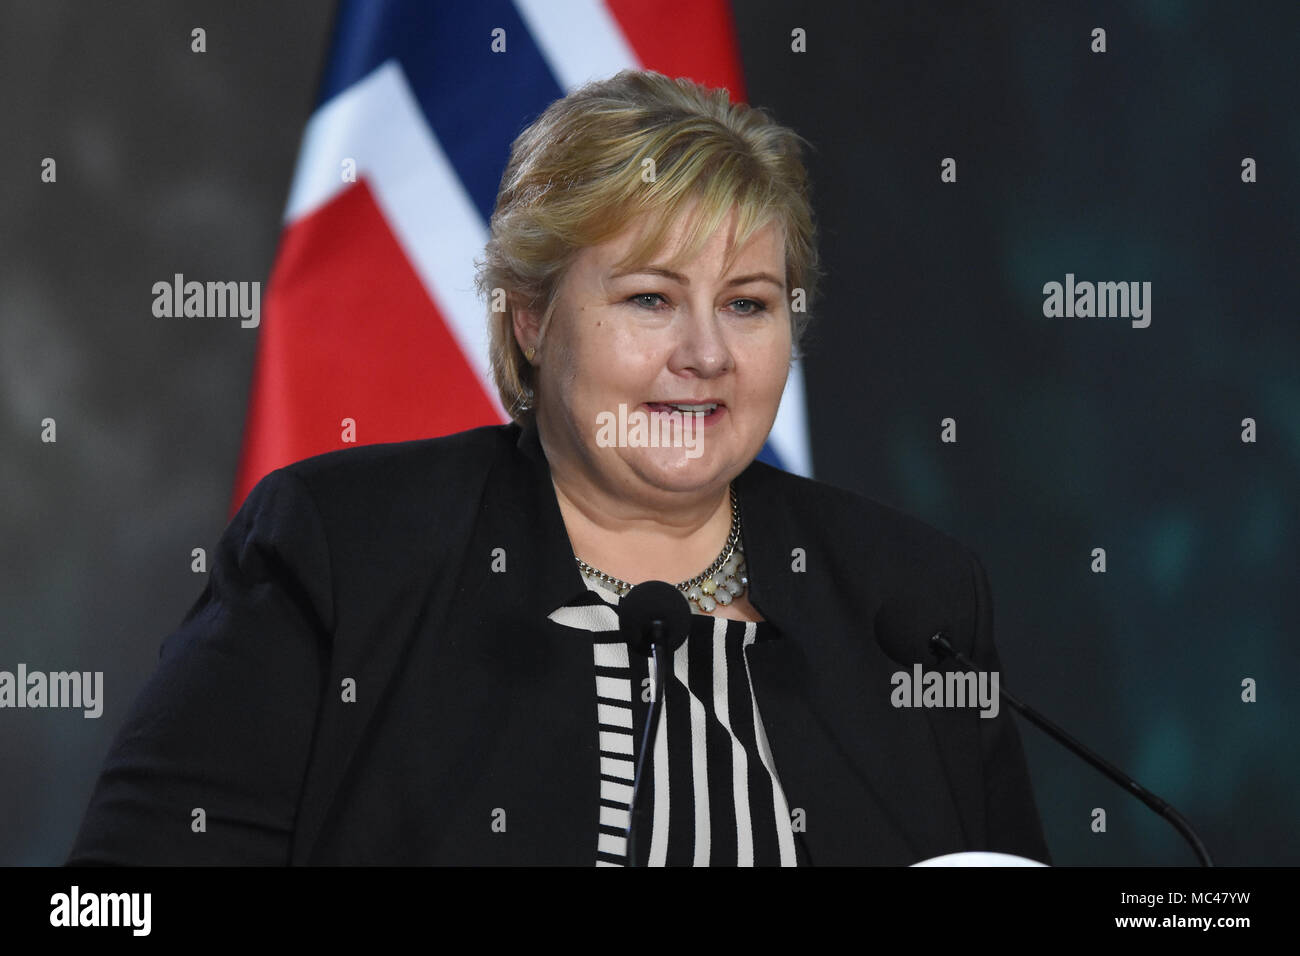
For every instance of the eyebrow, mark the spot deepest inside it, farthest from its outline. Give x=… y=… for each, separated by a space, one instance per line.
x=678 y=277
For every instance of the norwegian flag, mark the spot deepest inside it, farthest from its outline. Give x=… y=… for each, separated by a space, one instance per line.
x=370 y=311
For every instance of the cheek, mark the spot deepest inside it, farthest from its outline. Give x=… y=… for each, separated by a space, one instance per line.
x=776 y=363
x=618 y=358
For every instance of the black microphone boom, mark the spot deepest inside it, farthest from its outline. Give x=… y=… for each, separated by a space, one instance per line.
x=901 y=630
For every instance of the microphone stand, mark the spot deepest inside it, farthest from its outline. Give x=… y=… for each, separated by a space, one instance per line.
x=651 y=726
x=941 y=648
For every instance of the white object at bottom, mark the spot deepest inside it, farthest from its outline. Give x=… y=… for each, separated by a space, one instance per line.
x=979 y=858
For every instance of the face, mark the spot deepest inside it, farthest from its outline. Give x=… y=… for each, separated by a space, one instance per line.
x=647 y=338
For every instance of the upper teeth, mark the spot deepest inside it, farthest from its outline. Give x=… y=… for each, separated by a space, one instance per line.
x=693 y=408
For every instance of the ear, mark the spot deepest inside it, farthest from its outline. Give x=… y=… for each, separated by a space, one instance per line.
x=527 y=325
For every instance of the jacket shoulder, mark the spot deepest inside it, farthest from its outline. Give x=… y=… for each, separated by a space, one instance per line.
x=388 y=508
x=392 y=458
x=851 y=519
x=443 y=469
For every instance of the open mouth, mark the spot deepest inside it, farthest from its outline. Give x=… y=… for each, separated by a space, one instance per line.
x=707 y=411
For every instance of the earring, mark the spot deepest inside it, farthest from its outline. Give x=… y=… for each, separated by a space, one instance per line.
x=530 y=353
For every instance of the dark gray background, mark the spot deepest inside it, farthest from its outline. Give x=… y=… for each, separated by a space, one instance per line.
x=1073 y=433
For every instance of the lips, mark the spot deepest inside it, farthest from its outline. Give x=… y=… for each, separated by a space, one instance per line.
x=706 y=412
x=705 y=405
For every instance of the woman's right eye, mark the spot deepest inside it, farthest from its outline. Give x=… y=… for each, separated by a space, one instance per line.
x=644 y=295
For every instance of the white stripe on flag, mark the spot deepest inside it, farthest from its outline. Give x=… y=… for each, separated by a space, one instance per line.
x=789 y=434
x=377 y=122
x=579 y=39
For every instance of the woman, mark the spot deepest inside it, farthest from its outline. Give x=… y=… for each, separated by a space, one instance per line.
x=409 y=653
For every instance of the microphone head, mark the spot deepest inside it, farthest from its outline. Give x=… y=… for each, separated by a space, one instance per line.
x=653 y=607
x=904 y=626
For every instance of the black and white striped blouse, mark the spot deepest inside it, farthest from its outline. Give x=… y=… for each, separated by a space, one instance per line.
x=711 y=794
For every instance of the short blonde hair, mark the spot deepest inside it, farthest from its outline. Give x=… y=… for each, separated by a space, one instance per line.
x=574 y=179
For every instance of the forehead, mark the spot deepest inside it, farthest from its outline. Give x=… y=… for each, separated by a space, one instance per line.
x=765 y=247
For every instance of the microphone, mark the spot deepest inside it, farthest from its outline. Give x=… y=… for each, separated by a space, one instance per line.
x=907 y=632
x=654 y=619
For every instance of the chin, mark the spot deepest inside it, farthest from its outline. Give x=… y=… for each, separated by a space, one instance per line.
x=682 y=475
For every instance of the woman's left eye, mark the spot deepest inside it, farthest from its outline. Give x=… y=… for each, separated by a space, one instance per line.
x=757 y=306
x=754 y=308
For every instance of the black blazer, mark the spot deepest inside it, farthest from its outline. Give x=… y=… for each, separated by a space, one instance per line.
x=373 y=568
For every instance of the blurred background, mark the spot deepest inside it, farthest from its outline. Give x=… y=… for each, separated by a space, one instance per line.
x=1073 y=433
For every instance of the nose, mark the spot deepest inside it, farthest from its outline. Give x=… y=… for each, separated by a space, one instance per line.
x=701 y=344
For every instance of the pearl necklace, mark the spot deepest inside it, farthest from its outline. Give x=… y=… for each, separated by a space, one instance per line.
x=721 y=583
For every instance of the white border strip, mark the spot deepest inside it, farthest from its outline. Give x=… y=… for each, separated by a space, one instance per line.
x=377 y=122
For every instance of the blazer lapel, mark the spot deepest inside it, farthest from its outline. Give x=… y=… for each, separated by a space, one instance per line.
x=869 y=777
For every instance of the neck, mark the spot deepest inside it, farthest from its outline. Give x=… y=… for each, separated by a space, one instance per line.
x=638 y=536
